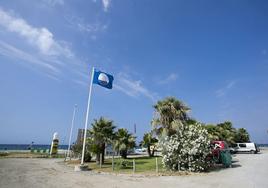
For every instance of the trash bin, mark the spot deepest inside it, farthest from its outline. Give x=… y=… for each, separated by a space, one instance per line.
x=226 y=158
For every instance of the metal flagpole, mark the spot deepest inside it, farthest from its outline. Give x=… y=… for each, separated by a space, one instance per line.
x=71 y=131
x=88 y=105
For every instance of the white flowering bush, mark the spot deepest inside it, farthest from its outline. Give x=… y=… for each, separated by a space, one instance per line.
x=187 y=149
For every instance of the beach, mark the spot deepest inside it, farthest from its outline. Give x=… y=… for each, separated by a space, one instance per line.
x=248 y=171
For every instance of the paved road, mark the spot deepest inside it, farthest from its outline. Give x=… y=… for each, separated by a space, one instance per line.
x=250 y=171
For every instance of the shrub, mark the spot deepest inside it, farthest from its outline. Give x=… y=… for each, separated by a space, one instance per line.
x=77 y=149
x=123 y=164
x=187 y=149
x=87 y=157
x=3 y=154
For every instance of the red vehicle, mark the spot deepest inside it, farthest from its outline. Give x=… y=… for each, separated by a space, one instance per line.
x=220 y=145
x=217 y=146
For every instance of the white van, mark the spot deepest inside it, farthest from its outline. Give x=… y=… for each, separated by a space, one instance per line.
x=246 y=147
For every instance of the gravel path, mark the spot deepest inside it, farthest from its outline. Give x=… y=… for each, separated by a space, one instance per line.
x=249 y=171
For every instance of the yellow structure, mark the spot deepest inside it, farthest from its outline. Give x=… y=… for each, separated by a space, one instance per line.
x=54 y=144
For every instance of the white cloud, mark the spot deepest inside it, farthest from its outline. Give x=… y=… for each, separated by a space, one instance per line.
x=80 y=24
x=15 y=53
x=54 y=2
x=106 y=4
x=223 y=91
x=54 y=56
x=230 y=84
x=171 y=77
x=41 y=38
x=81 y=83
x=133 y=88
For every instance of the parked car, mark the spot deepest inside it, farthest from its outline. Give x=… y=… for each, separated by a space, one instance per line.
x=217 y=147
x=232 y=150
x=246 y=147
x=221 y=153
x=220 y=145
x=140 y=150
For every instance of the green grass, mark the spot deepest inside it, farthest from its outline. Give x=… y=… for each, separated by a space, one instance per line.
x=143 y=165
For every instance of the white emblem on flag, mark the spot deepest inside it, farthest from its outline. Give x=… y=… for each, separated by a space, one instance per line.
x=103 y=79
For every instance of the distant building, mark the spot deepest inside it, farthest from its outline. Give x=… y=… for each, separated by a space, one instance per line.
x=80 y=136
x=80 y=139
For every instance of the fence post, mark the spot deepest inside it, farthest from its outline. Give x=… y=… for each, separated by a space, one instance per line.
x=100 y=160
x=113 y=162
x=156 y=165
x=65 y=156
x=134 y=166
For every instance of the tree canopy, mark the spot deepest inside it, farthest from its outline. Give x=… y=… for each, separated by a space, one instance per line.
x=225 y=131
x=101 y=133
x=167 y=111
x=123 y=142
x=149 y=141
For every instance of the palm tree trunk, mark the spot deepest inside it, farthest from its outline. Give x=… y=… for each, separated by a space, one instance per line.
x=149 y=151
x=124 y=154
x=98 y=158
x=102 y=152
x=153 y=153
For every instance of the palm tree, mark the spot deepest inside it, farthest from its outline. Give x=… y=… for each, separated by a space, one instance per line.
x=149 y=141
x=213 y=131
x=227 y=132
x=123 y=142
x=167 y=111
x=101 y=134
x=242 y=135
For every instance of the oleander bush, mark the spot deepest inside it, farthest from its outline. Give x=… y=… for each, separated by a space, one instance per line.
x=187 y=149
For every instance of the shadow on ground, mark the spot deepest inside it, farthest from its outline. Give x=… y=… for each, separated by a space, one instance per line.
x=220 y=167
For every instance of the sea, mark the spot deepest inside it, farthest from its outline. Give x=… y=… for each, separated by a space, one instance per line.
x=28 y=146
x=262 y=145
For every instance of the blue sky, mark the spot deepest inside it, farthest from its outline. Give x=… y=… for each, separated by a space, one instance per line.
x=213 y=55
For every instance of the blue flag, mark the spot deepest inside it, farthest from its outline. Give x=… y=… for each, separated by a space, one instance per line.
x=103 y=79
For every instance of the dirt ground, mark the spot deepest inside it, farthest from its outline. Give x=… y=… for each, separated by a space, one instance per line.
x=249 y=170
